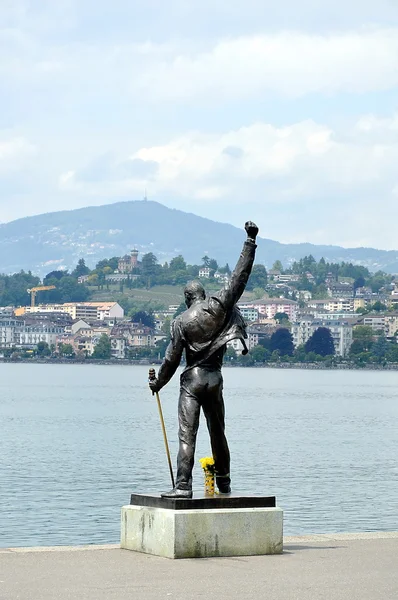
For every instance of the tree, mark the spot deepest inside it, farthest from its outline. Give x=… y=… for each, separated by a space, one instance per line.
x=379 y=306
x=93 y=279
x=258 y=293
x=205 y=260
x=280 y=317
x=144 y=317
x=320 y=292
x=177 y=264
x=364 y=335
x=356 y=347
x=107 y=262
x=321 y=342
x=359 y=282
x=282 y=341
x=149 y=267
x=226 y=269
x=260 y=354
x=66 y=350
x=103 y=348
x=148 y=264
x=54 y=275
x=166 y=328
x=258 y=278
x=13 y=288
x=43 y=349
x=161 y=345
x=300 y=353
x=277 y=266
x=304 y=284
x=392 y=353
x=70 y=291
x=275 y=356
x=213 y=264
x=80 y=269
x=380 y=348
x=230 y=355
x=265 y=341
x=245 y=360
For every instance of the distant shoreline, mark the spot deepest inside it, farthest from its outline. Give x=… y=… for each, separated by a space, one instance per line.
x=148 y=363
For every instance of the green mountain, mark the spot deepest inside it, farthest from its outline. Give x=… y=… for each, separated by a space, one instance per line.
x=45 y=242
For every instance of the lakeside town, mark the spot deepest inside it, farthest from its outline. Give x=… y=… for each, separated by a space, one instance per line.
x=310 y=312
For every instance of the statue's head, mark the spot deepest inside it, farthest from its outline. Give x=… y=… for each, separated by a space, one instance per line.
x=193 y=291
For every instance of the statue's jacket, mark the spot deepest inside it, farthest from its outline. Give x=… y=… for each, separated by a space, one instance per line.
x=208 y=325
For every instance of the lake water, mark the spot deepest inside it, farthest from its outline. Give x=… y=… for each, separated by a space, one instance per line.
x=76 y=440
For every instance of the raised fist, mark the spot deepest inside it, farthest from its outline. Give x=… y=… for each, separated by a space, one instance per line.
x=251 y=230
x=154 y=385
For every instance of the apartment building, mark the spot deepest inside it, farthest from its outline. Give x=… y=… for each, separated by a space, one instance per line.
x=285 y=278
x=382 y=322
x=10 y=328
x=270 y=306
x=249 y=314
x=391 y=325
x=19 y=332
x=341 y=332
x=340 y=290
x=97 y=311
x=337 y=305
x=257 y=332
x=376 y=321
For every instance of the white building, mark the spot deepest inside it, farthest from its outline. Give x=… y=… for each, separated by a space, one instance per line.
x=118 y=346
x=222 y=277
x=385 y=322
x=205 y=272
x=9 y=330
x=285 y=277
x=27 y=333
x=376 y=322
x=97 y=311
x=341 y=332
x=337 y=305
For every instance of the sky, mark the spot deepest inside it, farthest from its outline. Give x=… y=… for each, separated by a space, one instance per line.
x=285 y=113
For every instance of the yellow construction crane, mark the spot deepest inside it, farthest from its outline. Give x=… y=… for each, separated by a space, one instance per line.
x=40 y=288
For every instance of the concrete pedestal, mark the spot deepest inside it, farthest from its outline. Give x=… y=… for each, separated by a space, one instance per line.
x=202 y=532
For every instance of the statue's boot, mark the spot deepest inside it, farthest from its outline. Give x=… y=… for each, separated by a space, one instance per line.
x=223 y=483
x=177 y=493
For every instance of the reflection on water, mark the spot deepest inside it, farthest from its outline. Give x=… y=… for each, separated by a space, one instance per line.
x=76 y=440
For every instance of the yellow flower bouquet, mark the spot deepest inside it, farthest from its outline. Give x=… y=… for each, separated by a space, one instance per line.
x=208 y=467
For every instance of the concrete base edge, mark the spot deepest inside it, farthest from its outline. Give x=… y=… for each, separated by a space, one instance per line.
x=202 y=533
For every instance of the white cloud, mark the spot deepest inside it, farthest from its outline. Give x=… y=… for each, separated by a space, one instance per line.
x=14 y=151
x=305 y=153
x=291 y=64
x=327 y=181
x=194 y=105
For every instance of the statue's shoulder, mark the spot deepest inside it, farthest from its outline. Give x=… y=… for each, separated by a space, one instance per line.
x=193 y=312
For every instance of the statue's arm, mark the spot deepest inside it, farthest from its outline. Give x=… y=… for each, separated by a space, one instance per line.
x=231 y=294
x=171 y=360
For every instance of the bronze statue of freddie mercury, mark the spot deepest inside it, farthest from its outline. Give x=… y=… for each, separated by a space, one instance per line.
x=203 y=331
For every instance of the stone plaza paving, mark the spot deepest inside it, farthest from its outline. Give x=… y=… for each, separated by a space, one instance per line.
x=331 y=567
